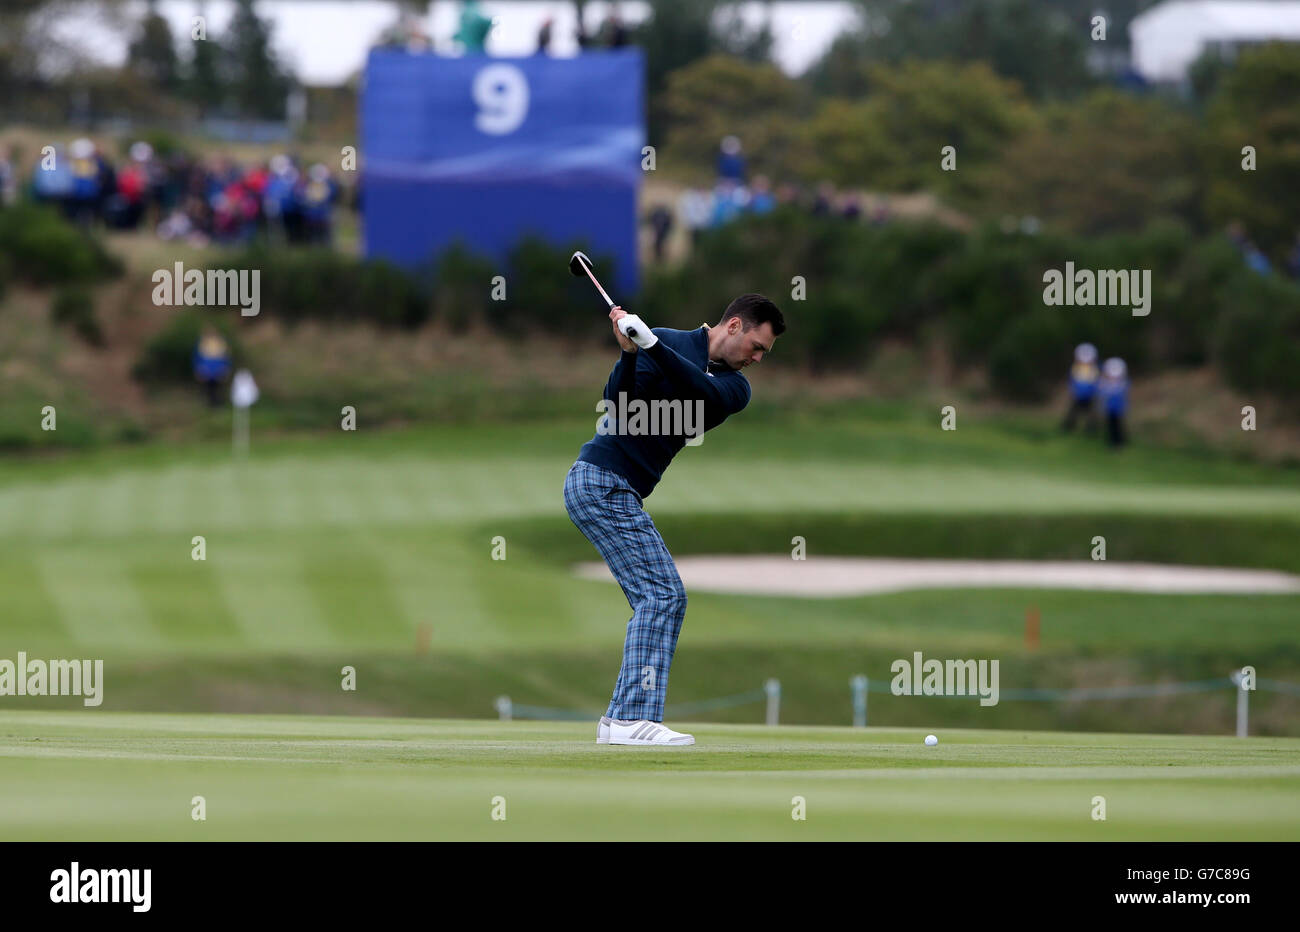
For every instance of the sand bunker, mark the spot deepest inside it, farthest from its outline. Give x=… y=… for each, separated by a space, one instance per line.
x=837 y=577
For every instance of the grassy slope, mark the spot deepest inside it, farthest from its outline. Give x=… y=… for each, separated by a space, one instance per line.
x=325 y=551
x=311 y=778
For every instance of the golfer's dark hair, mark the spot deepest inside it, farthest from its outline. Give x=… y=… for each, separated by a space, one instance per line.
x=754 y=310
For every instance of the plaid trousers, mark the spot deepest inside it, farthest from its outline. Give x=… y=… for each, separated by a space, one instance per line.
x=608 y=511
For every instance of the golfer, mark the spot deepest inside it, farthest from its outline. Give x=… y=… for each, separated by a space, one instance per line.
x=692 y=379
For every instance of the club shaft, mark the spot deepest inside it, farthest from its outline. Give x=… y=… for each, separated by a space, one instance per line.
x=607 y=298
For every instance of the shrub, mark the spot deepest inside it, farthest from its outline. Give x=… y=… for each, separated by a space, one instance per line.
x=75 y=305
x=1257 y=343
x=1209 y=269
x=1029 y=354
x=859 y=282
x=44 y=249
x=388 y=295
x=462 y=282
x=983 y=286
x=321 y=284
x=542 y=296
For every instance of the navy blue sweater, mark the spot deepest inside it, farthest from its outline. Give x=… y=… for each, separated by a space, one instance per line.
x=677 y=368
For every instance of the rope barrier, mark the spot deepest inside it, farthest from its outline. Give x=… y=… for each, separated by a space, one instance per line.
x=862 y=685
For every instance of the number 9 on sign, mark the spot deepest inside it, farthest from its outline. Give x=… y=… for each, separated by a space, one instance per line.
x=501 y=93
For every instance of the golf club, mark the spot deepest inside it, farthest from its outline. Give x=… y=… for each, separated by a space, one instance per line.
x=578 y=264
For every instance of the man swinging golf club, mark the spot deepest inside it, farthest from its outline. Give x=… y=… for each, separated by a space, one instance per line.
x=620 y=466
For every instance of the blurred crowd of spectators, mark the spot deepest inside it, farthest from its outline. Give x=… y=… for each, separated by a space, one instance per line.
x=734 y=194
x=199 y=200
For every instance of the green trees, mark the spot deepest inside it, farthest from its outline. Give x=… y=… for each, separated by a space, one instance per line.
x=20 y=46
x=1256 y=106
x=676 y=33
x=258 y=84
x=236 y=73
x=152 y=54
x=204 y=85
x=891 y=139
x=1106 y=163
x=680 y=32
x=1028 y=41
x=721 y=95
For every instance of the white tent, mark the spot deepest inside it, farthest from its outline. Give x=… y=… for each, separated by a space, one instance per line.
x=1167 y=38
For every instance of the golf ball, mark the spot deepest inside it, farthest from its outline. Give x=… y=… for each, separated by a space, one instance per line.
x=931 y=741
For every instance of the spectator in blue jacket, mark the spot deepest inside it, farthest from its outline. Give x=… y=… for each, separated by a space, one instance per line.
x=761 y=199
x=278 y=203
x=211 y=361
x=1083 y=387
x=729 y=200
x=1113 y=388
x=315 y=196
x=731 y=163
x=1256 y=261
x=85 y=168
x=53 y=184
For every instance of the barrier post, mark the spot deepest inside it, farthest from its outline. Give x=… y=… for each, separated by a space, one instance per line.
x=1243 y=705
x=773 y=687
x=859 y=684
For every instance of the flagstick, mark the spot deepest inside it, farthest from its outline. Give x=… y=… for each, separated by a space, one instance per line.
x=239 y=434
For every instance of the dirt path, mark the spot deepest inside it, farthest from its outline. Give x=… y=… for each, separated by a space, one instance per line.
x=837 y=577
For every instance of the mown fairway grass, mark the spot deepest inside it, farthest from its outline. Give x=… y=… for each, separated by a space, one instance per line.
x=325 y=551
x=106 y=776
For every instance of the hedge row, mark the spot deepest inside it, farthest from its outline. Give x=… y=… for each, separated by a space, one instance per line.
x=843 y=287
x=531 y=291
x=983 y=294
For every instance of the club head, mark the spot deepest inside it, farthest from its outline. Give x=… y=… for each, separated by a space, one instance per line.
x=579 y=264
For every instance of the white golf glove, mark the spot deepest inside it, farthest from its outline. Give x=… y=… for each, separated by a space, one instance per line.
x=640 y=334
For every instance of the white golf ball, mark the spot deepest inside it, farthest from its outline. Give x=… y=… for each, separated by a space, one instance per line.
x=931 y=741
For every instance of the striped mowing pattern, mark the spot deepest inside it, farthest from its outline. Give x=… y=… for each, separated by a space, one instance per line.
x=338 y=550
x=293 y=492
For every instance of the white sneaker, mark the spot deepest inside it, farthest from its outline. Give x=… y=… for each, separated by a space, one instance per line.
x=645 y=732
x=602 y=730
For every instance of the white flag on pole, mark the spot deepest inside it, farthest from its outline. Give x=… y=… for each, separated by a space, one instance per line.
x=243 y=390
